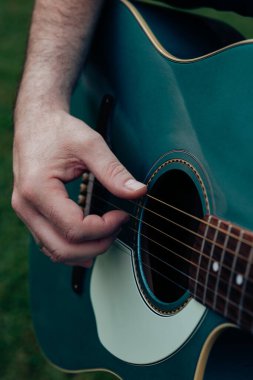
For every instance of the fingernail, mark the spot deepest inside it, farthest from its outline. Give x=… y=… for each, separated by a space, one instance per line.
x=132 y=184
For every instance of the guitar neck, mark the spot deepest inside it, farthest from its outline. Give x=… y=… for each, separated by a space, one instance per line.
x=222 y=272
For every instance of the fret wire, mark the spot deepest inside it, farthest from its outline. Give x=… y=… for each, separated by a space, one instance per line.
x=176 y=254
x=248 y=267
x=199 y=219
x=232 y=273
x=184 y=212
x=189 y=277
x=219 y=310
x=209 y=262
x=220 y=267
x=176 y=269
x=200 y=256
x=184 y=259
x=164 y=233
x=184 y=274
x=181 y=226
x=197 y=234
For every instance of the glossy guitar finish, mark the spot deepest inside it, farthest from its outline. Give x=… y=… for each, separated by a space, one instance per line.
x=183 y=114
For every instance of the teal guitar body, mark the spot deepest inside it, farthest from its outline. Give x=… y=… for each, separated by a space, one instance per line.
x=182 y=121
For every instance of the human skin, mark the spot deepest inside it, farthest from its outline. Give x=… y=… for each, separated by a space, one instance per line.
x=51 y=147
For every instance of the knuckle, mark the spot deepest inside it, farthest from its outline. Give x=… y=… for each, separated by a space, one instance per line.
x=15 y=201
x=114 y=169
x=52 y=214
x=72 y=235
x=54 y=259
x=56 y=256
x=104 y=245
x=27 y=189
x=92 y=139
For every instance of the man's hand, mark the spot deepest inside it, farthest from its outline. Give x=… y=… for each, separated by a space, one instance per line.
x=51 y=148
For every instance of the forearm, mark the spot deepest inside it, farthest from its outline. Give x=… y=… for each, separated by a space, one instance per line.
x=51 y=147
x=59 y=39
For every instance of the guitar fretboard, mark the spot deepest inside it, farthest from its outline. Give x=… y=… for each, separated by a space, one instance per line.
x=223 y=270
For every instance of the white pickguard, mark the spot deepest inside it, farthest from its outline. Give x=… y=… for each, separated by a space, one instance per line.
x=126 y=327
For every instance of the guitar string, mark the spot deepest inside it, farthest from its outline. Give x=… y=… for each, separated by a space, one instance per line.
x=240 y=307
x=230 y=234
x=173 y=222
x=236 y=287
x=173 y=238
x=203 y=221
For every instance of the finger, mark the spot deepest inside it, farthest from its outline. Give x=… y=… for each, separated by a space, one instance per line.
x=65 y=215
x=82 y=255
x=110 y=172
x=81 y=263
x=85 y=264
x=59 y=250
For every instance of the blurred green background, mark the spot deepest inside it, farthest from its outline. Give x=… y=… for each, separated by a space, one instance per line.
x=20 y=357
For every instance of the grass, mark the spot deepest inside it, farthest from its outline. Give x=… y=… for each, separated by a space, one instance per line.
x=16 y=339
x=20 y=356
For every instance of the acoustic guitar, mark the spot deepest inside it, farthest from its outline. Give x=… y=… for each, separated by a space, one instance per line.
x=177 y=285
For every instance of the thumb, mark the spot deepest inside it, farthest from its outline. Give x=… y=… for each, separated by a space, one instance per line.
x=110 y=172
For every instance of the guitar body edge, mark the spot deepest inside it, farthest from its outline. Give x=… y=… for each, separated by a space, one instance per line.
x=200 y=368
x=191 y=120
x=66 y=330
x=207 y=347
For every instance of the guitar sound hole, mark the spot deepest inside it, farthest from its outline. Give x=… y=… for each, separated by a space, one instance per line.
x=166 y=235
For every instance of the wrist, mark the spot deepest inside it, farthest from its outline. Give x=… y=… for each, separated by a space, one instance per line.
x=41 y=90
x=31 y=105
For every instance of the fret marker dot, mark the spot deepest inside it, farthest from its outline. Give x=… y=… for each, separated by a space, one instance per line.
x=215 y=266
x=239 y=279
